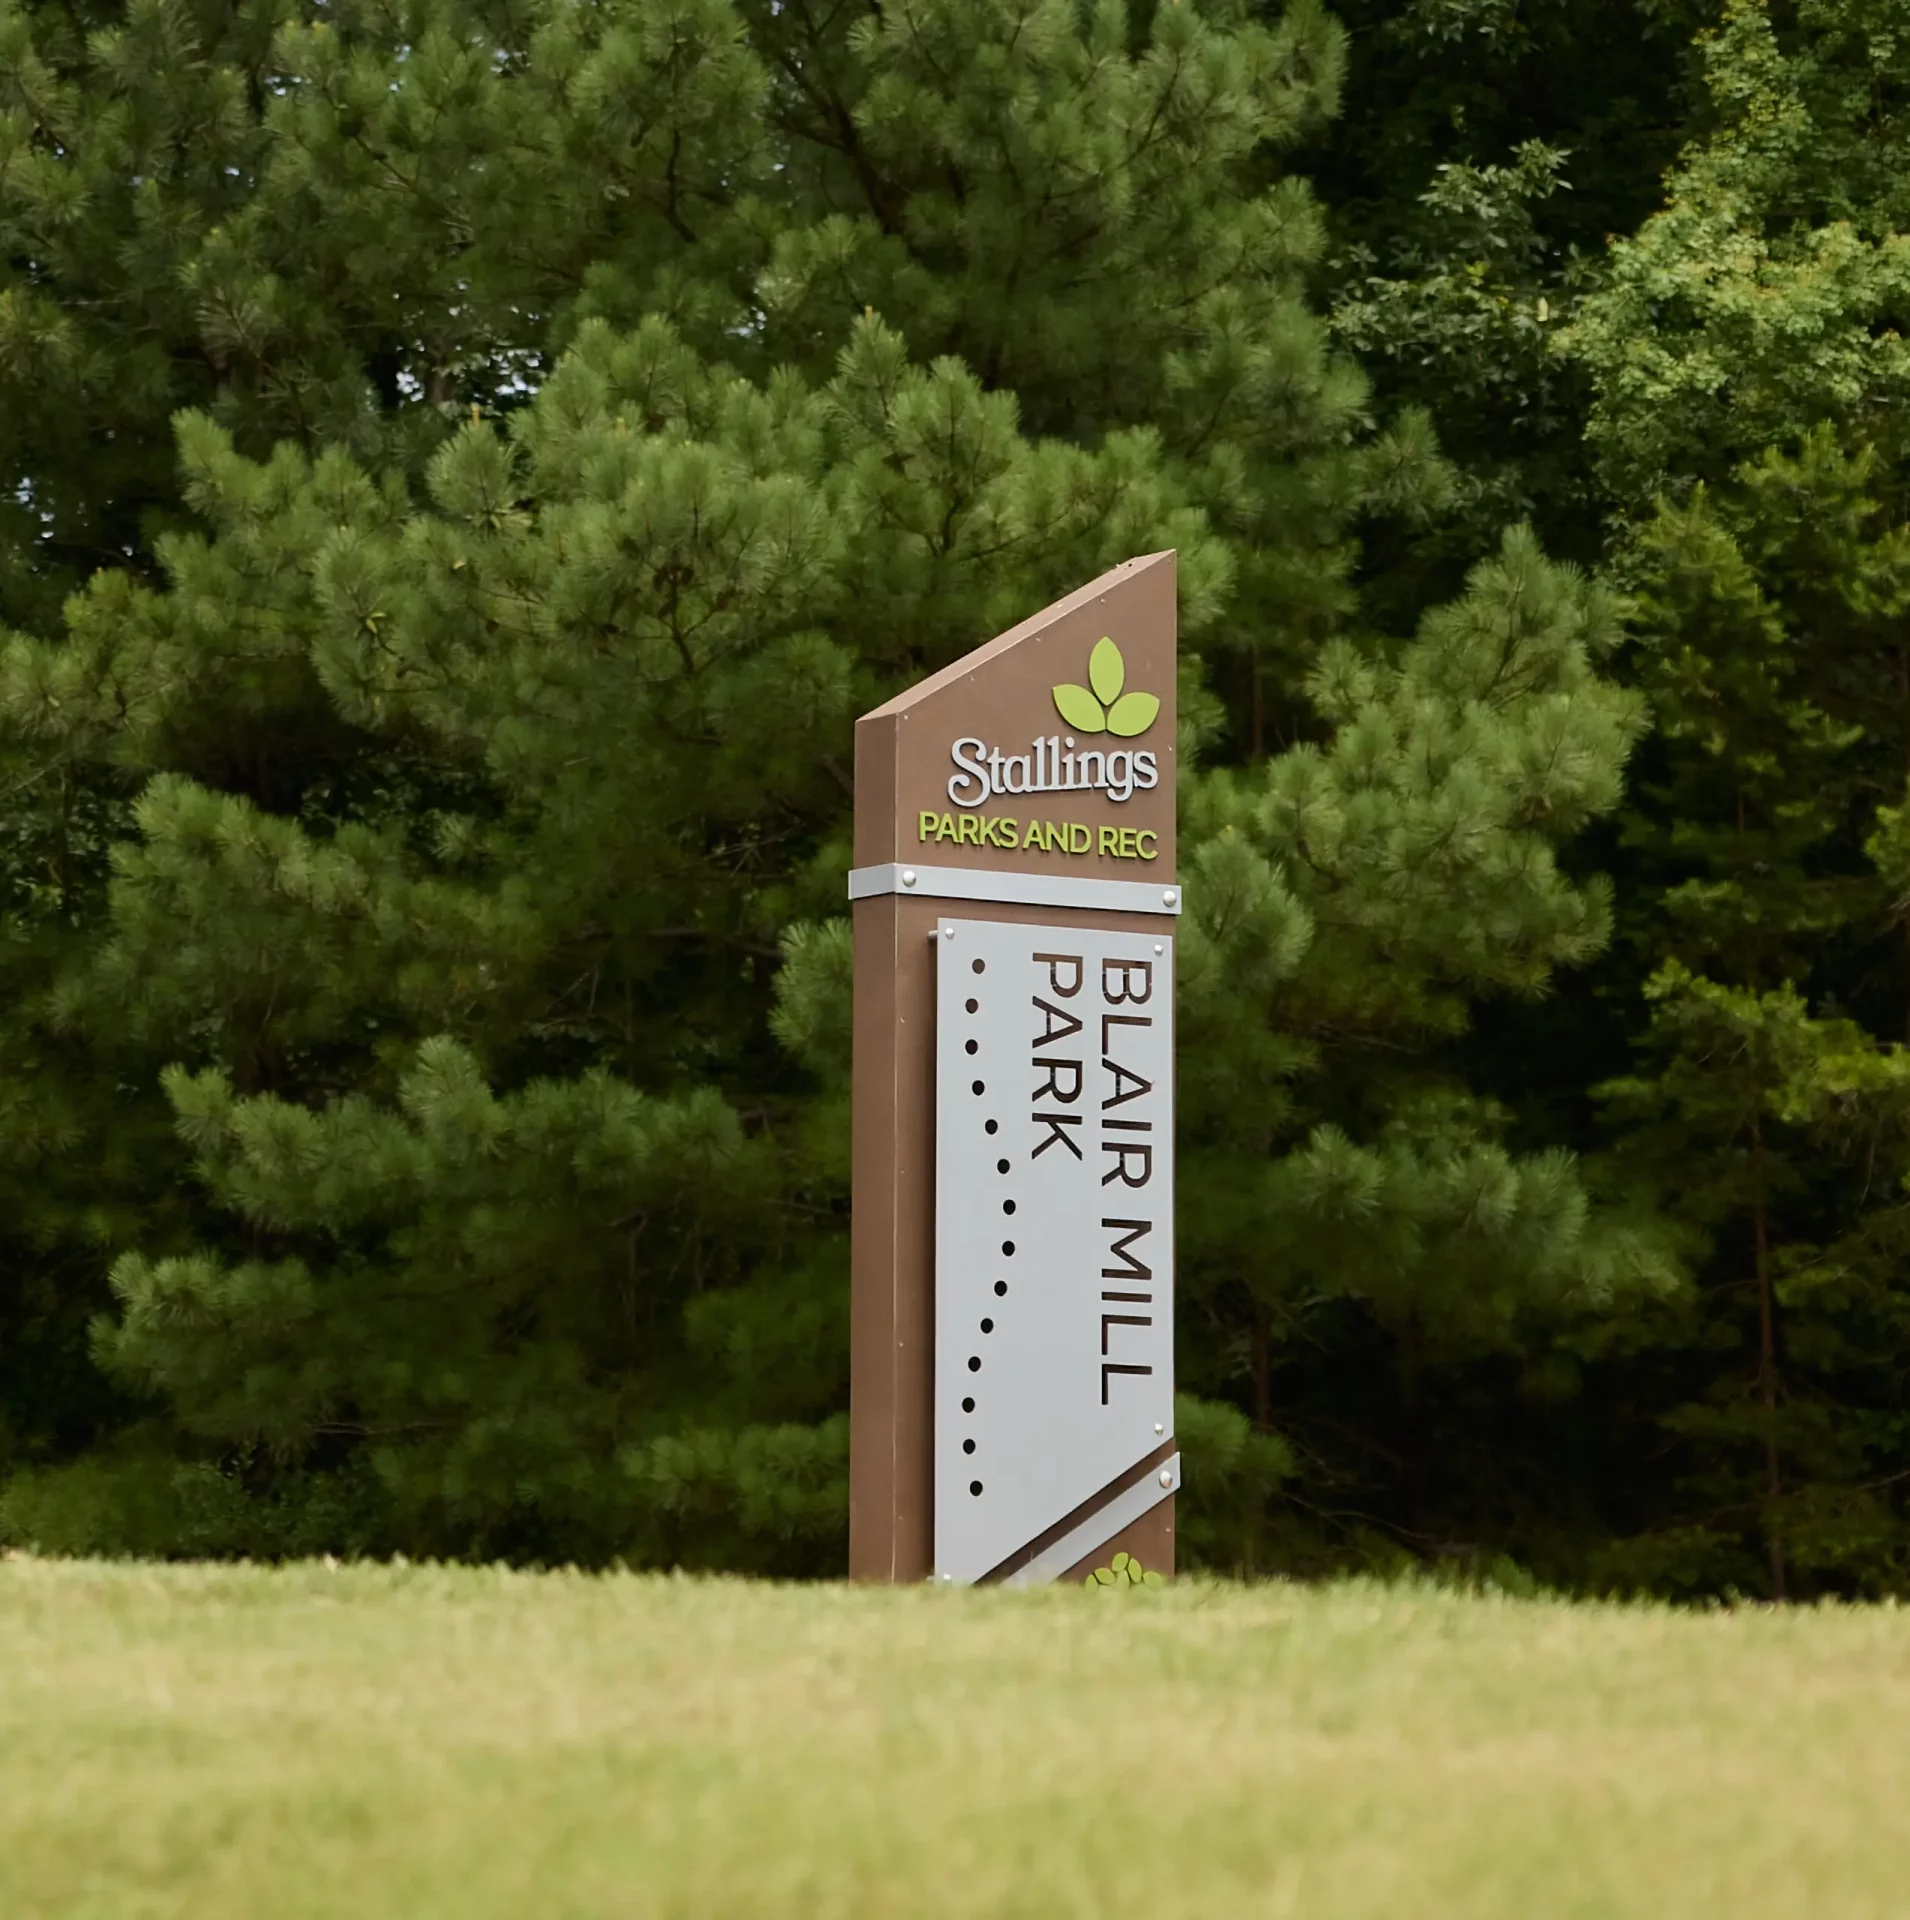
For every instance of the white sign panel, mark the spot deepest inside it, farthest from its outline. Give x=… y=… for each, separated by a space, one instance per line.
x=1054 y=1225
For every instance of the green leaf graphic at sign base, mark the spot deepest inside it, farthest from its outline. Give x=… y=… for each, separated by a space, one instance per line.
x=1126 y=1572
x=1080 y=709
x=1133 y=713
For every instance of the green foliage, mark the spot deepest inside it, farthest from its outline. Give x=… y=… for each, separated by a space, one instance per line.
x=1769 y=293
x=464 y=471
x=1487 y=156
x=1349 y=902
x=1750 y=421
x=137 y=1501
x=1230 y=1472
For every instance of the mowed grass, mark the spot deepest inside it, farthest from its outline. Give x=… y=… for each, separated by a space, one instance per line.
x=421 y=1742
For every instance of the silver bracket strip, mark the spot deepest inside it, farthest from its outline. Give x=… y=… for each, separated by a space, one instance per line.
x=1013 y=889
x=1100 y=1526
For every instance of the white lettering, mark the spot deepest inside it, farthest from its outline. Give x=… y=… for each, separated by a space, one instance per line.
x=969 y=786
x=1049 y=766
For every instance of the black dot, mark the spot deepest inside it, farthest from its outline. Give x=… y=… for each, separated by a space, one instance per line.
x=994 y=1126
x=988 y=1326
x=974 y=1046
x=981 y=966
x=1001 y=1287
x=968 y=1406
x=975 y=1487
x=973 y=1006
x=1007 y=1206
x=1008 y=1247
x=968 y=1446
x=974 y=1363
x=1001 y=1166
x=979 y=1087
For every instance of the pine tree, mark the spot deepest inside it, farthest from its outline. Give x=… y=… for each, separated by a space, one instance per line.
x=1750 y=422
x=617 y=642
x=237 y=210
x=1352 y=903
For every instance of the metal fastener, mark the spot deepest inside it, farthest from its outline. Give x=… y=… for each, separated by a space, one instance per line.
x=908 y=876
x=1158 y=1428
x=1167 y=1478
x=1167 y=898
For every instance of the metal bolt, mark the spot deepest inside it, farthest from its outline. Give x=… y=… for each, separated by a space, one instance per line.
x=1167 y=1478
x=948 y=933
x=1167 y=899
x=908 y=876
x=1158 y=1428
x=1158 y=948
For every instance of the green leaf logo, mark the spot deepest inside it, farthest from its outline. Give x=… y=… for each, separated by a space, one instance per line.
x=1102 y=706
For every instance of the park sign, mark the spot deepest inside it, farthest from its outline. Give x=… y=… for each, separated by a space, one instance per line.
x=1015 y=899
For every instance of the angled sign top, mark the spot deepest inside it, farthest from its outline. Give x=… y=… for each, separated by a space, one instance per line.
x=1051 y=749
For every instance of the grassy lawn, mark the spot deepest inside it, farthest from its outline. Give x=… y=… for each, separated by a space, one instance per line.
x=375 y=1741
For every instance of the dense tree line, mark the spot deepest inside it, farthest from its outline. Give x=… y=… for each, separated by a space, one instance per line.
x=463 y=467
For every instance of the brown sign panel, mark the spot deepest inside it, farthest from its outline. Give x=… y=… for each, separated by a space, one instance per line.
x=978 y=766
x=1048 y=754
